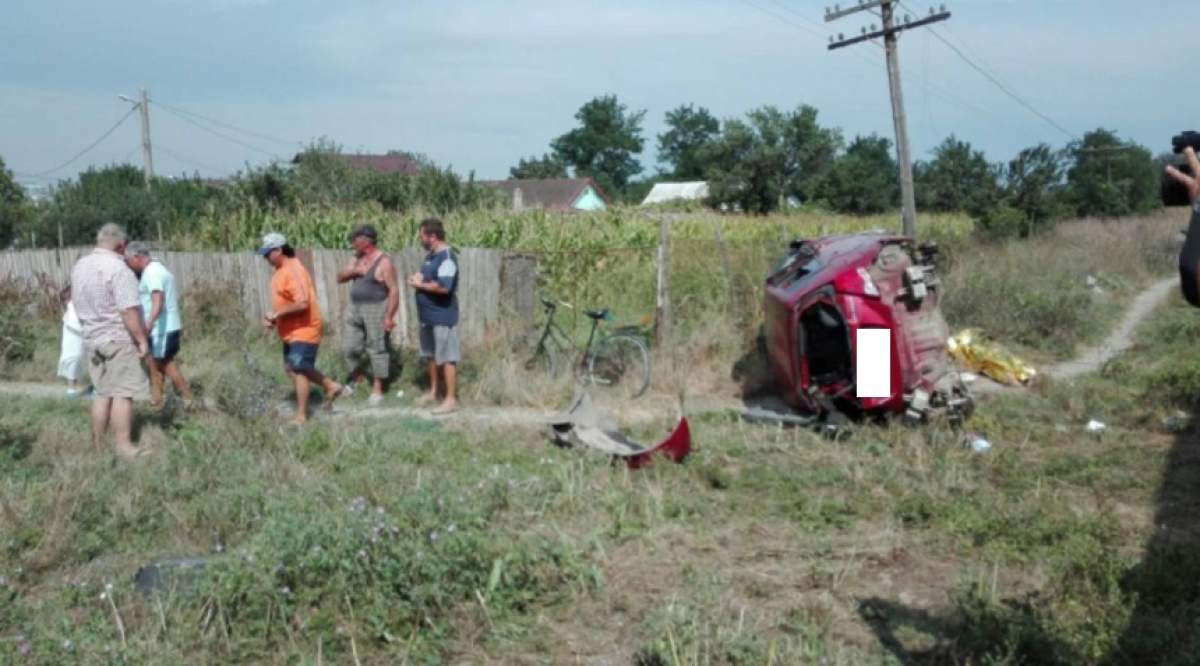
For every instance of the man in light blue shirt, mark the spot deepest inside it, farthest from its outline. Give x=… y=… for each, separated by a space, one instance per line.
x=160 y=312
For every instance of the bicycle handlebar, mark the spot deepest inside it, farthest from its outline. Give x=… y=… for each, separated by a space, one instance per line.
x=550 y=304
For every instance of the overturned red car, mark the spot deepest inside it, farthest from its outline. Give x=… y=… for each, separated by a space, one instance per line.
x=825 y=292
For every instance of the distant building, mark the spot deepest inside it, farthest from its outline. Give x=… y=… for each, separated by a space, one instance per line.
x=390 y=163
x=664 y=192
x=36 y=191
x=558 y=194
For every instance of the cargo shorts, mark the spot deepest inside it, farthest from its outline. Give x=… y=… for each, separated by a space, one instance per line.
x=116 y=371
x=364 y=336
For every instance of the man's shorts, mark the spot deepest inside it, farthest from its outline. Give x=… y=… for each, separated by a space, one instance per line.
x=116 y=371
x=166 y=347
x=439 y=343
x=300 y=356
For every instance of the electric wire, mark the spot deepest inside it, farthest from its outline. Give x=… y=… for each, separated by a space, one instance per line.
x=220 y=134
x=229 y=126
x=83 y=152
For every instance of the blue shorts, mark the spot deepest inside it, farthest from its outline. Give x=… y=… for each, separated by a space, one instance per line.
x=300 y=356
x=165 y=348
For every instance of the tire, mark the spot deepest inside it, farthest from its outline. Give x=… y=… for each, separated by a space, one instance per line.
x=621 y=364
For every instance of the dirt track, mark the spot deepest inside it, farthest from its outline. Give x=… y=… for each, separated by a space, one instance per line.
x=1093 y=358
x=652 y=409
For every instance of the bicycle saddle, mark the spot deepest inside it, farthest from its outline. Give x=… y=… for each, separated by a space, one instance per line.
x=598 y=314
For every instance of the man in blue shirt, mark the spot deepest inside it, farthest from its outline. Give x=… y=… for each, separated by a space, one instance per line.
x=436 y=286
x=160 y=312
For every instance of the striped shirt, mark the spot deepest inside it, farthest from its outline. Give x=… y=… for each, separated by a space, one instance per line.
x=101 y=287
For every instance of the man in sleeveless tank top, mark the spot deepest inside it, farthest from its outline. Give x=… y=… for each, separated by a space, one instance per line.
x=374 y=299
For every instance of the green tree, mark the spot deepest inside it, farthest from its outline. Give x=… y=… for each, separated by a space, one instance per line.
x=681 y=146
x=13 y=206
x=1033 y=184
x=958 y=178
x=1108 y=176
x=322 y=176
x=604 y=145
x=864 y=179
x=740 y=170
x=114 y=193
x=546 y=166
x=759 y=163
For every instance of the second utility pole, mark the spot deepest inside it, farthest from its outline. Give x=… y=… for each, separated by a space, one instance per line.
x=908 y=200
x=147 y=153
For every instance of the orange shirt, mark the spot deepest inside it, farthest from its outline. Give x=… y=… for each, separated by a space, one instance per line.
x=290 y=284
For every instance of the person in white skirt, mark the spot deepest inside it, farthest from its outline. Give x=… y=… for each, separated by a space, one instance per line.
x=70 y=361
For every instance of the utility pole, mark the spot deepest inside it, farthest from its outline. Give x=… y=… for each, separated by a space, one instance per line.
x=889 y=33
x=143 y=107
x=147 y=153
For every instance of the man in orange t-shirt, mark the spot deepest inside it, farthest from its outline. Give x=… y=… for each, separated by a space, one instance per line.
x=297 y=318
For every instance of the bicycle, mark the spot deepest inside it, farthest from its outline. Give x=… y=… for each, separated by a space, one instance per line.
x=618 y=361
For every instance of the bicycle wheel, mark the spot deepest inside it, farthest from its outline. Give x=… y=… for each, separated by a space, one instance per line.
x=544 y=360
x=621 y=364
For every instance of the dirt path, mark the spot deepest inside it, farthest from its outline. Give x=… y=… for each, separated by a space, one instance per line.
x=643 y=412
x=1093 y=358
x=655 y=408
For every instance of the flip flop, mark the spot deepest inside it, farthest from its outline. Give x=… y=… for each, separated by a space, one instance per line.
x=440 y=411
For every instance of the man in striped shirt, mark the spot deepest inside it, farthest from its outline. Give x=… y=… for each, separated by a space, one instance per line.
x=105 y=293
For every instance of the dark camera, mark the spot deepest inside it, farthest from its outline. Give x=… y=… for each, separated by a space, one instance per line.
x=1173 y=192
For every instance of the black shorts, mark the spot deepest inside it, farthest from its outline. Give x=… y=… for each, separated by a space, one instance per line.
x=165 y=349
x=300 y=356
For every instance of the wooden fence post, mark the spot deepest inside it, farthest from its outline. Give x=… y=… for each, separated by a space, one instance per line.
x=662 y=309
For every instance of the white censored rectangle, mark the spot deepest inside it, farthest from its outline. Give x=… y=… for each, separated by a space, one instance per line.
x=873 y=363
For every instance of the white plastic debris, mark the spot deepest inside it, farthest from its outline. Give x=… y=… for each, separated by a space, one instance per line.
x=1095 y=426
x=400 y=393
x=978 y=443
x=968 y=377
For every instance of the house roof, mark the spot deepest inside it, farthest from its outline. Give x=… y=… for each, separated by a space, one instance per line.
x=662 y=192
x=384 y=163
x=548 y=193
x=393 y=163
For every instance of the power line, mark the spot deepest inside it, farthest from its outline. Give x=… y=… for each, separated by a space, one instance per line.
x=219 y=134
x=996 y=82
x=82 y=152
x=874 y=64
x=235 y=128
x=781 y=17
x=187 y=160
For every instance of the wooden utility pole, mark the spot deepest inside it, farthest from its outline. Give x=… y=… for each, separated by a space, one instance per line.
x=889 y=33
x=147 y=153
x=142 y=103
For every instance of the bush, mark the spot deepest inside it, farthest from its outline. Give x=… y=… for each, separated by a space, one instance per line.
x=1003 y=222
x=394 y=570
x=25 y=314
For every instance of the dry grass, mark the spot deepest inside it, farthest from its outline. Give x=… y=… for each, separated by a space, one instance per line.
x=1034 y=293
x=768 y=546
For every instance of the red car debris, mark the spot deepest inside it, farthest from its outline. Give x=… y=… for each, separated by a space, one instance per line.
x=828 y=289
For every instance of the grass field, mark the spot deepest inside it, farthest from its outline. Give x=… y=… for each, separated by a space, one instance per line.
x=405 y=541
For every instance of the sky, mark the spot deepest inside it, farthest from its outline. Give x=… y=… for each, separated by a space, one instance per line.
x=477 y=85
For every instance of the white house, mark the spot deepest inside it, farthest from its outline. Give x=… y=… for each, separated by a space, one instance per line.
x=664 y=192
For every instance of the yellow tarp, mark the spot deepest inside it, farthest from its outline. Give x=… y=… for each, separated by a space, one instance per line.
x=971 y=348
